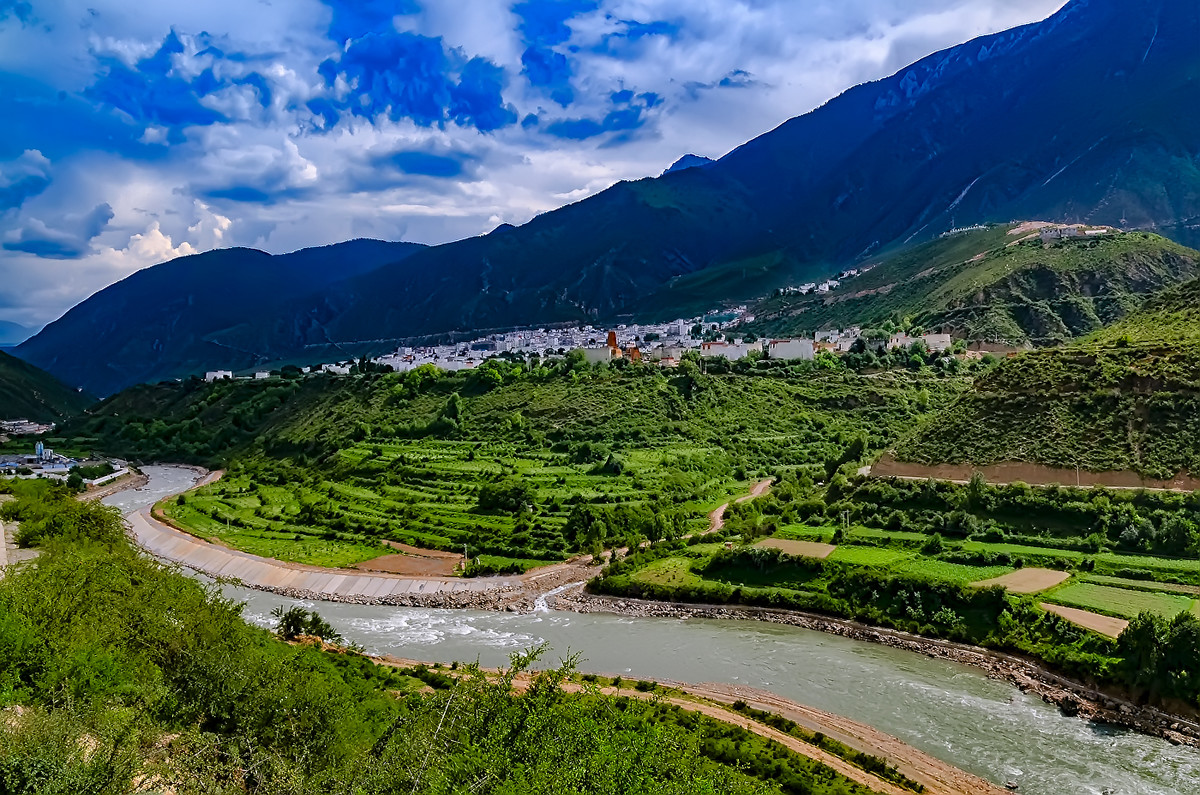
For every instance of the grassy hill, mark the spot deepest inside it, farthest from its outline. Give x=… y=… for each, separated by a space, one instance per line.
x=29 y=393
x=1124 y=398
x=1001 y=284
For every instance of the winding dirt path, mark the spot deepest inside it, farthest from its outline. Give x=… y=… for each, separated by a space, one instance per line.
x=716 y=517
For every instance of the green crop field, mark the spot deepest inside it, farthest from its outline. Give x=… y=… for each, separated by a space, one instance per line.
x=1021 y=550
x=1143 y=585
x=803 y=532
x=1118 y=601
x=272 y=540
x=1149 y=562
x=957 y=573
x=895 y=535
x=668 y=571
x=868 y=556
x=516 y=461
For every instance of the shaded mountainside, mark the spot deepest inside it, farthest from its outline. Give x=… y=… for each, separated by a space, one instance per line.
x=1073 y=119
x=1001 y=284
x=1125 y=398
x=13 y=333
x=1081 y=118
x=220 y=309
x=29 y=393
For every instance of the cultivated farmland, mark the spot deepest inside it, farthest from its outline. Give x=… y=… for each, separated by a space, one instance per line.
x=1118 y=601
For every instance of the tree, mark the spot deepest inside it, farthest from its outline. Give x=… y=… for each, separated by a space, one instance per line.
x=1141 y=647
x=511 y=495
x=296 y=621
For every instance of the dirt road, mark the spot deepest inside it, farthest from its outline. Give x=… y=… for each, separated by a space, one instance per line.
x=716 y=518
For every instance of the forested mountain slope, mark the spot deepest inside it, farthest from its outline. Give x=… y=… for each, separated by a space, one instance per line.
x=220 y=309
x=29 y=393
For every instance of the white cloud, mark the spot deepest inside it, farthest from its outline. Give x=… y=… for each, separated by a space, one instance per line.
x=270 y=178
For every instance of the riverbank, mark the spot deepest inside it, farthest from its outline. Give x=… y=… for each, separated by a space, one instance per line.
x=1072 y=698
x=560 y=587
x=133 y=480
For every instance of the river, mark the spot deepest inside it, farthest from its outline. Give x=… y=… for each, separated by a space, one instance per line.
x=950 y=711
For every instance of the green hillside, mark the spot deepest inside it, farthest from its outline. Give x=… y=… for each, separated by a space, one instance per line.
x=1002 y=284
x=524 y=463
x=1124 y=398
x=29 y=393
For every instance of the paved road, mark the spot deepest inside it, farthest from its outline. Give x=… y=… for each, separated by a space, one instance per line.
x=273 y=575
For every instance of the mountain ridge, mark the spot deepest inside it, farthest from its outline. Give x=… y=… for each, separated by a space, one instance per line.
x=194 y=313
x=1073 y=119
x=1011 y=284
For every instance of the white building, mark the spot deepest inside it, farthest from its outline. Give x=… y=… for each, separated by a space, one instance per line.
x=597 y=355
x=261 y=375
x=934 y=342
x=732 y=351
x=790 y=349
x=217 y=375
x=937 y=342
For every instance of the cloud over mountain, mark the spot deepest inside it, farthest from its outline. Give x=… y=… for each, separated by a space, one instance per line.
x=129 y=129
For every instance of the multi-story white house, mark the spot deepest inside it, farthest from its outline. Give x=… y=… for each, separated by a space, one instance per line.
x=790 y=349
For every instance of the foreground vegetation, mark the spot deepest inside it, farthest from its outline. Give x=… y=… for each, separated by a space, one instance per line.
x=118 y=674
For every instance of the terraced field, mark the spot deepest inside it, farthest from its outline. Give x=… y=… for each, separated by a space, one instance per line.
x=1119 y=602
x=427 y=493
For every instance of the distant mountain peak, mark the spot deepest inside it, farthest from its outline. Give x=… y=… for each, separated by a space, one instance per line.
x=688 y=161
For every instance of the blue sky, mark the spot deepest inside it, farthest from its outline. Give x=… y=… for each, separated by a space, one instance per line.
x=137 y=132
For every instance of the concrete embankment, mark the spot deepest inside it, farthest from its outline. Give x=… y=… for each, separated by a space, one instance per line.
x=1071 y=697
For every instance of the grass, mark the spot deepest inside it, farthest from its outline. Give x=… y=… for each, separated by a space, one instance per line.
x=1142 y=585
x=803 y=532
x=958 y=573
x=868 y=556
x=1022 y=550
x=1118 y=601
x=895 y=535
x=668 y=571
x=1148 y=562
x=281 y=545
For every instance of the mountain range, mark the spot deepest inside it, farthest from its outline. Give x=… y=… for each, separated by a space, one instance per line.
x=14 y=333
x=223 y=309
x=1087 y=116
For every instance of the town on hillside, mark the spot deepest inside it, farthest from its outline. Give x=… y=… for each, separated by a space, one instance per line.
x=662 y=344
